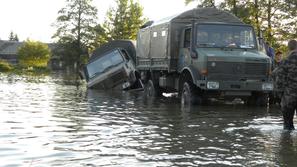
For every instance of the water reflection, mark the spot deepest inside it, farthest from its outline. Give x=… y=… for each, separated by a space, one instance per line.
x=50 y=121
x=288 y=149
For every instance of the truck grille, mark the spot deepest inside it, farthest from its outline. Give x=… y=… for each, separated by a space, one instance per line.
x=229 y=70
x=256 y=69
x=119 y=77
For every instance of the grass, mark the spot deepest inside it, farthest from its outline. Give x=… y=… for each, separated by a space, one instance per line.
x=5 y=66
x=31 y=70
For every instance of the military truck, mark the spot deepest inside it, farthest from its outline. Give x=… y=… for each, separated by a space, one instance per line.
x=203 y=53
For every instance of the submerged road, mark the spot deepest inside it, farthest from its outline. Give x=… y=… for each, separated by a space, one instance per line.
x=49 y=121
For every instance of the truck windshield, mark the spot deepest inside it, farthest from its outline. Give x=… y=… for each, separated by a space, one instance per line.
x=233 y=36
x=104 y=63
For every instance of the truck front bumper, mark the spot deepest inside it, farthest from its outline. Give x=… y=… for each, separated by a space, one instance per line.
x=235 y=87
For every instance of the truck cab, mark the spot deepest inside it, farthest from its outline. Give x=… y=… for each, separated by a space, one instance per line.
x=227 y=63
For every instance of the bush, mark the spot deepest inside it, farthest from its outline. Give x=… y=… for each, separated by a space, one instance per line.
x=33 y=54
x=5 y=66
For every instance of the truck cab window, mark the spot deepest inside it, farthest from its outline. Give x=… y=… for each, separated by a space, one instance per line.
x=221 y=36
x=187 y=38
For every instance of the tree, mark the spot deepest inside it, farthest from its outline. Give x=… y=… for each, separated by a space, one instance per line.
x=289 y=27
x=272 y=18
x=13 y=37
x=16 y=38
x=66 y=52
x=275 y=18
x=75 y=26
x=124 y=21
x=203 y=3
x=100 y=37
x=33 y=54
x=255 y=12
x=239 y=8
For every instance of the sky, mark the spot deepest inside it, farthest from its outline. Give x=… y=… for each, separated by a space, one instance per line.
x=33 y=19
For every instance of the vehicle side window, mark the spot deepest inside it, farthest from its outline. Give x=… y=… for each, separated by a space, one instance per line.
x=187 y=38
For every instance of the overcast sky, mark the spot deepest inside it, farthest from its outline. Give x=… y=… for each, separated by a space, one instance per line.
x=33 y=18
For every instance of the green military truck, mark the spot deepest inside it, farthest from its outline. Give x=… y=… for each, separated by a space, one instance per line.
x=203 y=53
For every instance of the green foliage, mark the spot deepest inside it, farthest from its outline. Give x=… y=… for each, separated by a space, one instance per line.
x=239 y=8
x=33 y=54
x=79 y=33
x=124 y=21
x=100 y=38
x=207 y=3
x=67 y=51
x=76 y=28
x=202 y=3
x=31 y=71
x=275 y=18
x=188 y=1
x=5 y=66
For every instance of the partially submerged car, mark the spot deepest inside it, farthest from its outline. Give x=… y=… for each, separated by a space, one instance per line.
x=112 y=66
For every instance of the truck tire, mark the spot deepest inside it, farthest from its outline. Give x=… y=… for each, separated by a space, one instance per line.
x=189 y=95
x=260 y=100
x=151 y=90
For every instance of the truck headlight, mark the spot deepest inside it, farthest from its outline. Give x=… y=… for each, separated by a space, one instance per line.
x=213 y=85
x=267 y=86
x=126 y=85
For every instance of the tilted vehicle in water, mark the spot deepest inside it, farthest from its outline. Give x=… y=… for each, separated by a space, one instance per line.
x=203 y=53
x=112 y=65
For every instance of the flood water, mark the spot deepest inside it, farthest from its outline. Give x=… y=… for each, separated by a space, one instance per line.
x=50 y=121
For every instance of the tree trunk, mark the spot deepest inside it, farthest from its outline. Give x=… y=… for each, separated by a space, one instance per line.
x=234 y=4
x=257 y=17
x=78 y=63
x=269 y=30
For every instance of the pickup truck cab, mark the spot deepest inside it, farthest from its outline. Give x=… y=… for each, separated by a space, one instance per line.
x=112 y=66
x=109 y=70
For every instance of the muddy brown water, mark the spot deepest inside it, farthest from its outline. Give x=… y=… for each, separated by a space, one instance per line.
x=51 y=121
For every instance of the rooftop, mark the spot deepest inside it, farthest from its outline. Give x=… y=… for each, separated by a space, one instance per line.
x=9 y=47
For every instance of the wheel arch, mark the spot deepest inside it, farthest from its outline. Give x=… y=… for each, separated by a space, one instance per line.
x=189 y=73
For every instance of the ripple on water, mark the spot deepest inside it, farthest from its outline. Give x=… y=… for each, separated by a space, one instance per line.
x=51 y=122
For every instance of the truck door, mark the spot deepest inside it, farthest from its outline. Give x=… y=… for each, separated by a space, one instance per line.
x=184 y=48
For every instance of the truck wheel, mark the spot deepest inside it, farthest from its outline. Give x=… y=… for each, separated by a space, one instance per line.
x=188 y=95
x=151 y=90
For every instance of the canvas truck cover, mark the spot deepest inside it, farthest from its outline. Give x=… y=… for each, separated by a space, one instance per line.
x=128 y=45
x=158 y=43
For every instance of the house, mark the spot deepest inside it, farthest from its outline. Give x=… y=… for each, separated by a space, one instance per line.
x=9 y=49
